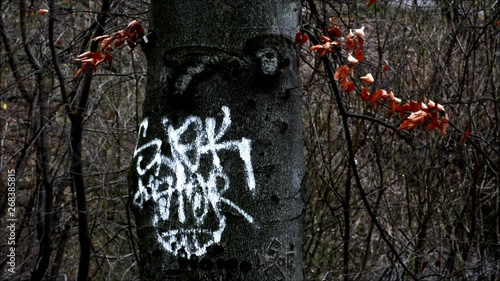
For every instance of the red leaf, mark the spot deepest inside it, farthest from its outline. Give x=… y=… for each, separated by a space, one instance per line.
x=348 y=86
x=413 y=106
x=102 y=37
x=368 y=78
x=341 y=73
x=393 y=107
x=321 y=53
x=371 y=2
x=323 y=49
x=298 y=37
x=81 y=69
x=434 y=105
x=465 y=135
x=136 y=27
x=418 y=116
x=361 y=42
x=84 y=55
x=301 y=38
x=350 y=43
x=89 y=61
x=305 y=38
x=119 y=42
x=376 y=96
x=360 y=32
x=133 y=24
x=407 y=125
x=444 y=125
x=435 y=123
x=99 y=57
x=352 y=60
x=358 y=54
x=385 y=68
x=325 y=39
x=106 y=42
x=365 y=94
x=334 y=31
x=121 y=34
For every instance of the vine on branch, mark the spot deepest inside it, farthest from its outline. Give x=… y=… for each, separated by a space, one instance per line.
x=430 y=114
x=130 y=35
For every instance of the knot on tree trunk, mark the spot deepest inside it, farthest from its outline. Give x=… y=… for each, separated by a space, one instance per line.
x=269 y=60
x=271 y=53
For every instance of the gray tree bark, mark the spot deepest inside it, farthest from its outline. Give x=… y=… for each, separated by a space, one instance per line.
x=217 y=173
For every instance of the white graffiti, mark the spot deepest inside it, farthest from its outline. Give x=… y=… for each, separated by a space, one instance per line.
x=182 y=188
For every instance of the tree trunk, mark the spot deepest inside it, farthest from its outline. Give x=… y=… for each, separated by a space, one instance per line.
x=217 y=172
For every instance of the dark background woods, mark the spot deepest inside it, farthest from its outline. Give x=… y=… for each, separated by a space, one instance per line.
x=436 y=198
